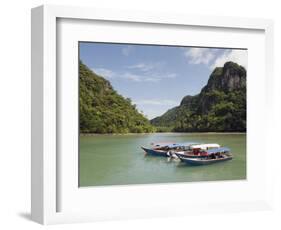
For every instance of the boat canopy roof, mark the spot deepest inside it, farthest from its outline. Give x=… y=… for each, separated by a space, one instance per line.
x=174 y=145
x=186 y=144
x=161 y=144
x=218 y=150
x=205 y=146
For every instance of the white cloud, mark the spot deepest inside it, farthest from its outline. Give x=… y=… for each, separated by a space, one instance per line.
x=127 y=50
x=145 y=67
x=146 y=77
x=214 y=57
x=199 y=55
x=106 y=73
x=156 y=102
x=238 y=56
x=132 y=77
x=141 y=66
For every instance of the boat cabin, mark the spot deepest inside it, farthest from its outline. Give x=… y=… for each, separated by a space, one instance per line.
x=205 y=146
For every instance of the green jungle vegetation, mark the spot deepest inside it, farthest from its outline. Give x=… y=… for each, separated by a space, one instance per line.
x=219 y=107
x=103 y=110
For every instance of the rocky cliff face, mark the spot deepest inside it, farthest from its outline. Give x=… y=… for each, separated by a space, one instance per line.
x=218 y=103
x=227 y=78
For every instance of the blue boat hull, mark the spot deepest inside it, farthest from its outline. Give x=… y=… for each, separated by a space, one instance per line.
x=202 y=161
x=154 y=152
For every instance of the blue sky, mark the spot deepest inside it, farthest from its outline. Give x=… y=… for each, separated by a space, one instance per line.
x=156 y=78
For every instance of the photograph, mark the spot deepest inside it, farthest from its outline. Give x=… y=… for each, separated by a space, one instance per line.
x=153 y=114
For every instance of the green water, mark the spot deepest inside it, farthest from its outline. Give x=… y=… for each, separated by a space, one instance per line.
x=119 y=160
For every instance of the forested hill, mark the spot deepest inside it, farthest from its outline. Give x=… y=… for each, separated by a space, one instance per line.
x=103 y=110
x=220 y=106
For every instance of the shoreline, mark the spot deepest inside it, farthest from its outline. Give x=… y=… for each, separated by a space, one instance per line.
x=131 y=134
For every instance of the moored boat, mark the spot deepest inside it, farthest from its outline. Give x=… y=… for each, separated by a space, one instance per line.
x=213 y=156
x=195 y=151
x=205 y=161
x=166 y=149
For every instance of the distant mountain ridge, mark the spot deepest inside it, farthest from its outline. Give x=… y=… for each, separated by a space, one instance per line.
x=103 y=110
x=220 y=106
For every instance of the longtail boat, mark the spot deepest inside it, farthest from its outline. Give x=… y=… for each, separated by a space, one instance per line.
x=164 y=149
x=194 y=151
x=212 y=156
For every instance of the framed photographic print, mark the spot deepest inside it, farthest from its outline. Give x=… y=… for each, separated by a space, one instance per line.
x=189 y=102
x=132 y=108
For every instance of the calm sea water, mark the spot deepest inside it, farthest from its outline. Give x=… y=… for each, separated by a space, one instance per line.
x=119 y=160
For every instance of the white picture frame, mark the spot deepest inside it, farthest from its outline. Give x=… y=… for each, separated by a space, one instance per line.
x=48 y=179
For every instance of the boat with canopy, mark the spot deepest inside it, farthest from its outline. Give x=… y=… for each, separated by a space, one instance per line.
x=211 y=156
x=194 y=151
x=164 y=149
